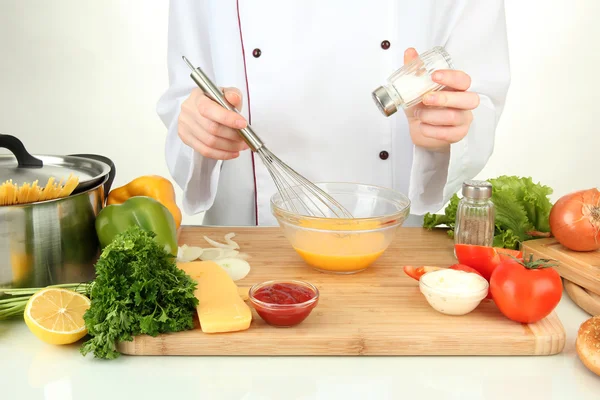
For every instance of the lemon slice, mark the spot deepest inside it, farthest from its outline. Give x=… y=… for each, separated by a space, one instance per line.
x=55 y=315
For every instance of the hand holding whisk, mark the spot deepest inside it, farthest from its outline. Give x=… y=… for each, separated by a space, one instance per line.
x=299 y=195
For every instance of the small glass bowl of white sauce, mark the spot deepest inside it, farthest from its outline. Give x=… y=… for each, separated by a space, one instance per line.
x=453 y=292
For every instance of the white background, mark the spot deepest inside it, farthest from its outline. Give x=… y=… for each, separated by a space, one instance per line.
x=82 y=76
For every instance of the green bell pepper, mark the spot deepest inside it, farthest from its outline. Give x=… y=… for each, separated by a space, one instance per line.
x=142 y=211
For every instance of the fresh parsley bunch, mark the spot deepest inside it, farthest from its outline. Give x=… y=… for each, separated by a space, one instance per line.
x=138 y=290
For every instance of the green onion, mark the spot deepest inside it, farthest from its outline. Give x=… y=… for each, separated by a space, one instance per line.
x=15 y=304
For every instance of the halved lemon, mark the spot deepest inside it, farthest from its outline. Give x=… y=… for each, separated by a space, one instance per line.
x=55 y=315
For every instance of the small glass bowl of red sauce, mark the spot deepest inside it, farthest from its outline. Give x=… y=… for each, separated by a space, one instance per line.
x=284 y=303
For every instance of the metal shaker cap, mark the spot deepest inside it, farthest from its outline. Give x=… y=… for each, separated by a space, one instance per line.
x=477 y=189
x=384 y=102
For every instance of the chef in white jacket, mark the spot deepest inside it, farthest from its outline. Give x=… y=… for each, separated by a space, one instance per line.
x=302 y=73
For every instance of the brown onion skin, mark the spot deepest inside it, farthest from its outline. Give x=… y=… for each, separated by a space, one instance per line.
x=575 y=220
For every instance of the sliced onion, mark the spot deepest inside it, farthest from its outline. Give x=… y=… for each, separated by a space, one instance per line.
x=180 y=251
x=191 y=254
x=243 y=256
x=211 y=254
x=219 y=250
x=230 y=242
x=186 y=253
x=215 y=253
x=236 y=268
x=217 y=244
x=229 y=253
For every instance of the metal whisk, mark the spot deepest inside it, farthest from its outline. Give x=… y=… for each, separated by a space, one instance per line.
x=299 y=195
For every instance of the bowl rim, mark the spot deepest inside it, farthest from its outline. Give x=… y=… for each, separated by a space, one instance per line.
x=275 y=209
x=263 y=304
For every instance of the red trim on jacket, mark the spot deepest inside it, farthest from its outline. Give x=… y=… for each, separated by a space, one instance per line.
x=237 y=4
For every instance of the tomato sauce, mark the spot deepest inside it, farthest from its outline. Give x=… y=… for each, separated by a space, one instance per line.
x=284 y=293
x=284 y=303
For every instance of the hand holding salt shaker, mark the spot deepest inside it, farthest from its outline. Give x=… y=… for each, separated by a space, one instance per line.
x=407 y=86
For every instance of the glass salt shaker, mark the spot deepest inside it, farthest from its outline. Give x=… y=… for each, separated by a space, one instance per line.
x=475 y=215
x=407 y=86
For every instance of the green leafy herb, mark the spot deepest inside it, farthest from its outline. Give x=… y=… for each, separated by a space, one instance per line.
x=448 y=219
x=522 y=211
x=533 y=197
x=138 y=290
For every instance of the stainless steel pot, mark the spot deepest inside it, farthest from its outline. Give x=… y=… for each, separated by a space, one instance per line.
x=54 y=241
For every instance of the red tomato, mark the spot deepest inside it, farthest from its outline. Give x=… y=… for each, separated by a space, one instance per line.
x=461 y=267
x=525 y=292
x=417 y=272
x=481 y=258
x=575 y=220
x=484 y=258
x=505 y=254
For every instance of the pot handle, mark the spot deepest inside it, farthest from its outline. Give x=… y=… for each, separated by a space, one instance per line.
x=106 y=160
x=16 y=147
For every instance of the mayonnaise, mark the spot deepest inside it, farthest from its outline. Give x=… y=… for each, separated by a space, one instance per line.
x=453 y=292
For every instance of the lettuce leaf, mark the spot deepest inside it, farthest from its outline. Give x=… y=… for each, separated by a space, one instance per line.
x=533 y=197
x=448 y=219
x=511 y=222
x=522 y=211
x=506 y=239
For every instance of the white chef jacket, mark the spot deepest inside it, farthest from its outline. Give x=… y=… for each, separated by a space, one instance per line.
x=306 y=70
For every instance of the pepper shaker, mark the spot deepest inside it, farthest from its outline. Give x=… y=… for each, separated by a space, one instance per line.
x=407 y=86
x=475 y=215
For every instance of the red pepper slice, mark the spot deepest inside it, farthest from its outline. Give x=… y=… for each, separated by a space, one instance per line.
x=417 y=272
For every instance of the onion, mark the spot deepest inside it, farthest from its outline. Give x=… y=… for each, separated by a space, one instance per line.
x=180 y=251
x=575 y=220
x=187 y=254
x=210 y=254
x=243 y=256
x=219 y=251
x=236 y=268
x=229 y=253
x=219 y=245
x=230 y=242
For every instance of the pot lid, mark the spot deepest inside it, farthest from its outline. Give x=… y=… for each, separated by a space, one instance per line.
x=58 y=167
x=22 y=167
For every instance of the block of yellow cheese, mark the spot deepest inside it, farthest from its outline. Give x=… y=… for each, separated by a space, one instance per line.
x=220 y=307
x=192 y=268
x=244 y=293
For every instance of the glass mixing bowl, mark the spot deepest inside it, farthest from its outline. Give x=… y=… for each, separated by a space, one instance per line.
x=339 y=245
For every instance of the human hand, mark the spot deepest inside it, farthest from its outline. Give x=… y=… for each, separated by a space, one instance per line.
x=210 y=129
x=444 y=117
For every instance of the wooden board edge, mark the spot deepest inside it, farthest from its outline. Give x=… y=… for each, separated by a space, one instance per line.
x=539 y=251
x=131 y=348
x=463 y=352
x=539 y=242
x=545 y=338
x=549 y=335
x=581 y=298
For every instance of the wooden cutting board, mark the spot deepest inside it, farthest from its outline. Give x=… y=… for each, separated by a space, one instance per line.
x=379 y=311
x=586 y=300
x=581 y=268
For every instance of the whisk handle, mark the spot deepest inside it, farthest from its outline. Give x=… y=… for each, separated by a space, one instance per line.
x=212 y=91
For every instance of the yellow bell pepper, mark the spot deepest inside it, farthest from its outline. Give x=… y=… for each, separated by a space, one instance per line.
x=157 y=187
